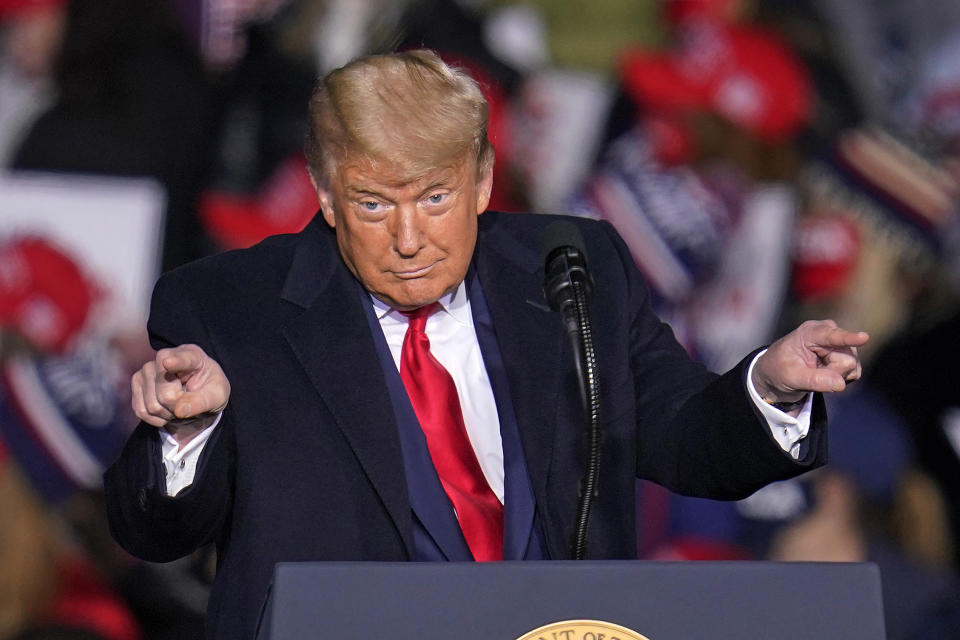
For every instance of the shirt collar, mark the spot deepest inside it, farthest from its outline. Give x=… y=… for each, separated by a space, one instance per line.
x=455 y=304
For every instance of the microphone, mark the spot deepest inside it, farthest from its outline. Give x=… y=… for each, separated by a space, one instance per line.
x=565 y=269
x=568 y=288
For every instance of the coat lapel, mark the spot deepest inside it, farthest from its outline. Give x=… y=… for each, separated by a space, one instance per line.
x=512 y=280
x=332 y=342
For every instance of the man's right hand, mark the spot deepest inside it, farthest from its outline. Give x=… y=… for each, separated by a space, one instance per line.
x=182 y=390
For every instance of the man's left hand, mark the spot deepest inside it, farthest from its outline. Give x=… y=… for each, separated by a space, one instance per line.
x=816 y=356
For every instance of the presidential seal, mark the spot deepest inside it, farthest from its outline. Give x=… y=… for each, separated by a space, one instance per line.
x=582 y=630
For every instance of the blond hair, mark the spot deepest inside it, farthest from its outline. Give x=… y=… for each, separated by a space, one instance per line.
x=409 y=110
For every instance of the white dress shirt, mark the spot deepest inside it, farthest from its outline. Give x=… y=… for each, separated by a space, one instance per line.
x=453 y=341
x=179 y=464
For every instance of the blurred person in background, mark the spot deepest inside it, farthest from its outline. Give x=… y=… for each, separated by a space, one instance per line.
x=47 y=577
x=31 y=33
x=698 y=168
x=872 y=503
x=129 y=99
x=62 y=415
x=909 y=371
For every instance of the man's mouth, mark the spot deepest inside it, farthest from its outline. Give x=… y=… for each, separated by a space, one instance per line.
x=418 y=272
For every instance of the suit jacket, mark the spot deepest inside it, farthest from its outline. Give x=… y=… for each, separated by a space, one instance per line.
x=307 y=463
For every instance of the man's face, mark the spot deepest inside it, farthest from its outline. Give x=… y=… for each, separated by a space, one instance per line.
x=408 y=243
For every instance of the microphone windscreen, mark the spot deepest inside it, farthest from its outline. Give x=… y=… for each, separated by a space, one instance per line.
x=560 y=234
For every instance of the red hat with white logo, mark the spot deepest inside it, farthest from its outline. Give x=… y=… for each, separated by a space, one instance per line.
x=44 y=295
x=745 y=74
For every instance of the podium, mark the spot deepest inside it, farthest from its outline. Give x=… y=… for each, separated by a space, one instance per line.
x=507 y=600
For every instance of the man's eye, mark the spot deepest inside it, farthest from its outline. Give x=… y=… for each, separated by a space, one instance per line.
x=370 y=205
x=436 y=198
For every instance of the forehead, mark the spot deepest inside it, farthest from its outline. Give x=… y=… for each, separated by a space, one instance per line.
x=357 y=174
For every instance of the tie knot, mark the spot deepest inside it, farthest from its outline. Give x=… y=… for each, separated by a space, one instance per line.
x=418 y=317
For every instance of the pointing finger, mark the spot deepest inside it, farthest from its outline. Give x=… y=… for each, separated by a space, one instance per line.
x=838 y=337
x=180 y=360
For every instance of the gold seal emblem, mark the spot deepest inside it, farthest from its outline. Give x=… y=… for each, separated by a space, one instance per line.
x=582 y=630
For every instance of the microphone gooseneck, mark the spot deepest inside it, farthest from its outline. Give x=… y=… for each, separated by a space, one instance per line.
x=568 y=288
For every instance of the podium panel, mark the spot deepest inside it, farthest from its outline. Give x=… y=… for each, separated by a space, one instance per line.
x=507 y=600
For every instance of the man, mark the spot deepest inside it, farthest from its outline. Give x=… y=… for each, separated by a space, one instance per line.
x=303 y=353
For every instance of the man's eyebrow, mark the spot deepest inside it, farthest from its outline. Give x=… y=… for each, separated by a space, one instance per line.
x=362 y=190
x=444 y=181
x=438 y=184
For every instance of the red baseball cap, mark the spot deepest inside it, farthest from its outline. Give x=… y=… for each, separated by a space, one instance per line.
x=285 y=204
x=745 y=74
x=44 y=294
x=825 y=252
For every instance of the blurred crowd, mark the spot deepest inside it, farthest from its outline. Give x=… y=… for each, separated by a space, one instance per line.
x=767 y=161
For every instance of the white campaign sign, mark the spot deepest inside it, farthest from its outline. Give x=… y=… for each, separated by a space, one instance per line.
x=111 y=226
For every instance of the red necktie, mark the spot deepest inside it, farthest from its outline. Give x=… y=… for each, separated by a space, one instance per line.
x=435 y=401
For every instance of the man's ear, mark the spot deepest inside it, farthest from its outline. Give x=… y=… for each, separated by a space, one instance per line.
x=484 y=187
x=325 y=199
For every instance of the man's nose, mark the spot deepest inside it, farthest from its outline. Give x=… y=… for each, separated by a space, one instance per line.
x=408 y=239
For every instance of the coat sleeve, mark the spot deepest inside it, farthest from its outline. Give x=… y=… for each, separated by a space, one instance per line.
x=699 y=433
x=142 y=517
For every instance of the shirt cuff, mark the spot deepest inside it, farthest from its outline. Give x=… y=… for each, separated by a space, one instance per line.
x=785 y=429
x=179 y=464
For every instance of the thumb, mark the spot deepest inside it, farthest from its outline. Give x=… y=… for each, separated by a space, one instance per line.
x=821 y=380
x=208 y=399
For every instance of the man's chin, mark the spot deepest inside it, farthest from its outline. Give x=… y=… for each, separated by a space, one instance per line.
x=409 y=300
x=405 y=302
